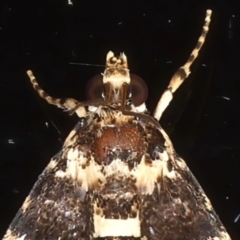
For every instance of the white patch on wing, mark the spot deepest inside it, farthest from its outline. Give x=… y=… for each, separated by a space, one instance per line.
x=89 y=176
x=60 y=174
x=23 y=237
x=118 y=168
x=26 y=203
x=115 y=227
x=51 y=165
x=208 y=204
x=9 y=236
x=224 y=236
x=181 y=163
x=163 y=156
x=147 y=175
x=187 y=209
x=70 y=138
x=49 y=202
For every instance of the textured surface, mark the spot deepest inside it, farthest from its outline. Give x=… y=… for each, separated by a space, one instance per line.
x=116 y=176
x=46 y=37
x=81 y=184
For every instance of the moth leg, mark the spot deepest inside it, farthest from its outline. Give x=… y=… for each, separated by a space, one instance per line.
x=183 y=72
x=65 y=104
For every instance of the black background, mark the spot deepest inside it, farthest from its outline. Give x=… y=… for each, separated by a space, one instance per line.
x=157 y=37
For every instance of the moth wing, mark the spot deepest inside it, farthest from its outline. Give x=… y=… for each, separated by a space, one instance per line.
x=54 y=208
x=179 y=208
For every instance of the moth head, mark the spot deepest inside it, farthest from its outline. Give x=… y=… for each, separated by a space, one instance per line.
x=114 y=77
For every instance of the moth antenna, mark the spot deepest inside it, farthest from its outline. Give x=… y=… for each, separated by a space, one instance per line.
x=65 y=104
x=183 y=72
x=198 y=47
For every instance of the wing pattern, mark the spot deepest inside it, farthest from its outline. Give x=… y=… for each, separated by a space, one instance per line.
x=117 y=176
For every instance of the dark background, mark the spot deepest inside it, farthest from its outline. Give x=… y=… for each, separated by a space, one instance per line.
x=157 y=37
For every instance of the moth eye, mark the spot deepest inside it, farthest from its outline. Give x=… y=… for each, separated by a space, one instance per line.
x=139 y=90
x=94 y=88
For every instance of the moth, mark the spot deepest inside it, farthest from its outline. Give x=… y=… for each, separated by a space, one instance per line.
x=117 y=175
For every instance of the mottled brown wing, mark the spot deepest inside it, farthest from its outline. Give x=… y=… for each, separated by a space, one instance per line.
x=54 y=208
x=179 y=209
x=117 y=182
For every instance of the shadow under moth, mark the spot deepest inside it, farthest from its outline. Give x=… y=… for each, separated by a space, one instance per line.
x=117 y=175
